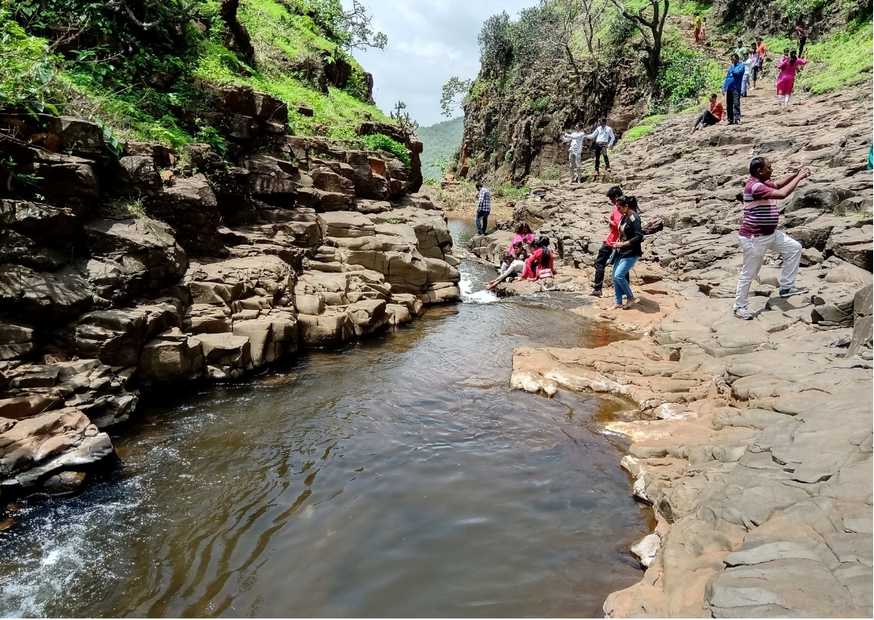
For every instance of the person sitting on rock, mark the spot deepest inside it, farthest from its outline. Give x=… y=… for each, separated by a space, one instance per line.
x=606 y=251
x=483 y=208
x=541 y=263
x=523 y=237
x=511 y=268
x=628 y=250
x=758 y=232
x=575 y=152
x=602 y=139
x=711 y=115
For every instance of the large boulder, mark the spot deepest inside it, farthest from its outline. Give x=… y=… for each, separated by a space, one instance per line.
x=67 y=180
x=131 y=256
x=44 y=223
x=15 y=341
x=272 y=180
x=237 y=278
x=191 y=208
x=42 y=297
x=138 y=174
x=330 y=329
x=116 y=336
x=33 y=449
x=171 y=357
x=271 y=338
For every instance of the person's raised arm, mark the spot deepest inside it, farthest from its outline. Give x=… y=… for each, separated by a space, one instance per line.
x=788 y=179
x=786 y=190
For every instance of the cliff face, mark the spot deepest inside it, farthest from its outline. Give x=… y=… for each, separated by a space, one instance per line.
x=126 y=264
x=512 y=129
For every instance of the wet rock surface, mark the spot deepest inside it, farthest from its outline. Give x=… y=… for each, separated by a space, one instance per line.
x=752 y=440
x=137 y=271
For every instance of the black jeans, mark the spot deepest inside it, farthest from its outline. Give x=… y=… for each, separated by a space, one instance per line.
x=706 y=119
x=601 y=261
x=601 y=149
x=482 y=222
x=732 y=106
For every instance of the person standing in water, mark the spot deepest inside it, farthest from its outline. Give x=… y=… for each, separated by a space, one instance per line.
x=483 y=208
x=602 y=139
x=629 y=250
x=758 y=232
x=575 y=152
x=606 y=250
x=788 y=69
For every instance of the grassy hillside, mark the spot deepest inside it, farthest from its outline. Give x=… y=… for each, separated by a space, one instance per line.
x=442 y=142
x=138 y=76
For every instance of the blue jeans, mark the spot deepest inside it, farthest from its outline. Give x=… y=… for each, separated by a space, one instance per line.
x=621 y=284
x=482 y=222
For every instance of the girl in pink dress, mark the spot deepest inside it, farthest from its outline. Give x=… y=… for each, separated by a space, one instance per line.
x=787 y=68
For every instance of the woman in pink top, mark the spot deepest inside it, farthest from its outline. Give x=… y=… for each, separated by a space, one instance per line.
x=524 y=237
x=788 y=68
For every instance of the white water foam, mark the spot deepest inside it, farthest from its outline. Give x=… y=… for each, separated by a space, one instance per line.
x=469 y=296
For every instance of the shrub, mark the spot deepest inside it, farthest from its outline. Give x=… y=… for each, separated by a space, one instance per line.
x=382 y=142
x=28 y=71
x=685 y=75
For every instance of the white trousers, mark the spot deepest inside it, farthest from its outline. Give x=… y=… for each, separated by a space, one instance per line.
x=754 y=253
x=575 y=160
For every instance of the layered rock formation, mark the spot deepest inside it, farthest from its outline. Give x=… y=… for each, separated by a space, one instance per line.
x=158 y=267
x=752 y=440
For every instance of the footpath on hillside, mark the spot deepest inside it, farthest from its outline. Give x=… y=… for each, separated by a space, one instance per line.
x=753 y=439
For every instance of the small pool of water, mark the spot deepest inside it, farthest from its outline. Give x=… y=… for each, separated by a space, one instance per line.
x=397 y=477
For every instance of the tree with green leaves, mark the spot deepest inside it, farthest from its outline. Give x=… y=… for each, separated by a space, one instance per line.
x=454 y=91
x=650 y=22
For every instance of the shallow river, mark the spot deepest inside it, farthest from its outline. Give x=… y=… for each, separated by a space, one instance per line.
x=398 y=477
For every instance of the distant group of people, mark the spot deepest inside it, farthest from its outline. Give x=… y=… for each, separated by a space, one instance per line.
x=747 y=66
x=528 y=258
x=602 y=139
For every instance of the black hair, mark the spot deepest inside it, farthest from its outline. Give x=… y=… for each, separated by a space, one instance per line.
x=614 y=193
x=523 y=229
x=735 y=57
x=543 y=242
x=793 y=54
x=479 y=185
x=756 y=166
x=630 y=202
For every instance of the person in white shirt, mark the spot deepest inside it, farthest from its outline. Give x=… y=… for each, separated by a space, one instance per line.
x=575 y=152
x=602 y=139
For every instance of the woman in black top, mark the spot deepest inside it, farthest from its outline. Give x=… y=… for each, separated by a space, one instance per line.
x=628 y=248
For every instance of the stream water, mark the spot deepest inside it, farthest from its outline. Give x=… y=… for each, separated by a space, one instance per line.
x=397 y=477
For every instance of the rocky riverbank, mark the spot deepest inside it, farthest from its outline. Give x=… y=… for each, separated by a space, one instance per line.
x=752 y=440
x=127 y=268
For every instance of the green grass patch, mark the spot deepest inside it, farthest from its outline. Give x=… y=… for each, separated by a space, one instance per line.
x=645 y=127
x=835 y=62
x=28 y=70
x=381 y=142
x=511 y=192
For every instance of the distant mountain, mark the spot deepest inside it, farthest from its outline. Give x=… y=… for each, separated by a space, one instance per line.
x=441 y=143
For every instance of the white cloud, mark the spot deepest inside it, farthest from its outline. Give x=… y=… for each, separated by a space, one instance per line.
x=429 y=41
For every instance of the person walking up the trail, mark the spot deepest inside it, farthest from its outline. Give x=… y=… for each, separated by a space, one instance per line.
x=483 y=208
x=731 y=87
x=761 y=54
x=788 y=69
x=697 y=29
x=575 y=152
x=758 y=232
x=749 y=65
x=712 y=115
x=606 y=251
x=602 y=139
x=628 y=250
x=801 y=31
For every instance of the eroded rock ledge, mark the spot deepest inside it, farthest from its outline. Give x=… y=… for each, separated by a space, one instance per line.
x=123 y=273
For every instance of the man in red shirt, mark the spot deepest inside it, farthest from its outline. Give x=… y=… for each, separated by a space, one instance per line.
x=606 y=251
x=711 y=115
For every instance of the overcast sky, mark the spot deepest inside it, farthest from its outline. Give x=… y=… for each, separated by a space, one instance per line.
x=428 y=42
